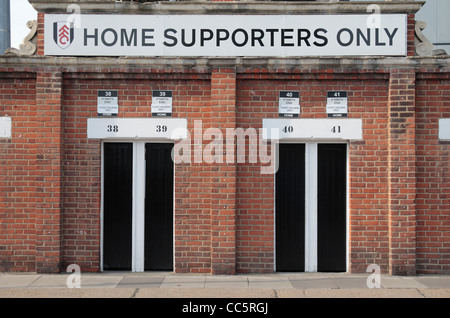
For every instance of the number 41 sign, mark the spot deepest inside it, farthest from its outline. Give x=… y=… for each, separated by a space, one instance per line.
x=337 y=103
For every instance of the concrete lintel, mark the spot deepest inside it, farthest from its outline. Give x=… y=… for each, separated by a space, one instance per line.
x=234 y=7
x=98 y=64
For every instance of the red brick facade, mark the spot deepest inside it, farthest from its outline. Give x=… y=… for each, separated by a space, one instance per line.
x=399 y=174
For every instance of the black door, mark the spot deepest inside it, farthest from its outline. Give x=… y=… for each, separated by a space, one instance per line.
x=290 y=208
x=117 y=213
x=331 y=218
x=159 y=207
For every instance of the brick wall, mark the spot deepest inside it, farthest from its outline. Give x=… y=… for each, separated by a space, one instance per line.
x=433 y=174
x=223 y=174
x=18 y=171
x=401 y=174
x=81 y=181
x=50 y=188
x=82 y=162
x=257 y=99
x=50 y=177
x=49 y=160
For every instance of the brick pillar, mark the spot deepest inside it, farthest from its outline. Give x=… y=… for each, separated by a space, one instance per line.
x=411 y=35
x=40 y=34
x=48 y=175
x=402 y=179
x=223 y=174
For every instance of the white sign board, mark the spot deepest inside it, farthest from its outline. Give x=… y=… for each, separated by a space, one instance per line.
x=289 y=104
x=225 y=35
x=5 y=127
x=137 y=128
x=337 y=104
x=444 y=129
x=313 y=129
x=162 y=103
x=107 y=103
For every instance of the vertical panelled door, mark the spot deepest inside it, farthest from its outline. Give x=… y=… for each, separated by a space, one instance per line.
x=328 y=208
x=124 y=195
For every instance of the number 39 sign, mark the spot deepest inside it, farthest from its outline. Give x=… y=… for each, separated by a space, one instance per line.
x=162 y=103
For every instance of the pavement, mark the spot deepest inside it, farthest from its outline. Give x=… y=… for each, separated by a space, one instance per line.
x=252 y=286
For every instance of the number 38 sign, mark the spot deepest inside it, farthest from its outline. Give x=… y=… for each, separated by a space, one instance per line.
x=107 y=103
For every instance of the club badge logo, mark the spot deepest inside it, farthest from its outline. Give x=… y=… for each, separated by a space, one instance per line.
x=63 y=33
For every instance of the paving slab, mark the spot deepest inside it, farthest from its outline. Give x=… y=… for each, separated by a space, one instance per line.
x=50 y=281
x=349 y=293
x=434 y=281
x=317 y=282
x=17 y=280
x=205 y=293
x=98 y=281
x=86 y=281
x=226 y=282
x=435 y=293
x=397 y=282
x=179 y=281
x=172 y=285
x=350 y=282
x=279 y=282
x=141 y=282
x=67 y=293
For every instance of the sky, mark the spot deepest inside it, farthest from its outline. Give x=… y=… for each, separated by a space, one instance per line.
x=21 y=13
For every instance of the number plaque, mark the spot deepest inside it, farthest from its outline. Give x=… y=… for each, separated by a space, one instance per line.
x=137 y=128
x=107 y=103
x=312 y=129
x=162 y=103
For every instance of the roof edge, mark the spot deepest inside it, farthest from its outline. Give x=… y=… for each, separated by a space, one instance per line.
x=233 y=7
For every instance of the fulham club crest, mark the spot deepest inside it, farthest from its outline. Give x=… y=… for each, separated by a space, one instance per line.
x=63 y=33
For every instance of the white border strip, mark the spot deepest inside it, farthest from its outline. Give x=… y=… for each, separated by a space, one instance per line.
x=444 y=129
x=5 y=127
x=132 y=129
x=314 y=129
x=311 y=174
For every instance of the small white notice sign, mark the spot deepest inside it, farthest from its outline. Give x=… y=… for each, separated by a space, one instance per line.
x=162 y=103
x=5 y=127
x=337 y=104
x=289 y=104
x=107 y=103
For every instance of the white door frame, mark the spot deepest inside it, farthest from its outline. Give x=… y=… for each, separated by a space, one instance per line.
x=138 y=203
x=311 y=207
x=311 y=177
x=138 y=222
x=138 y=131
x=311 y=132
